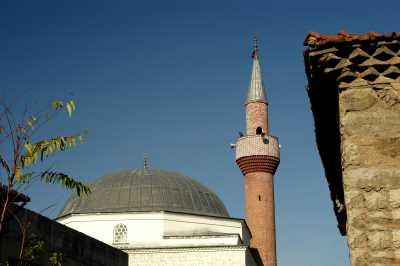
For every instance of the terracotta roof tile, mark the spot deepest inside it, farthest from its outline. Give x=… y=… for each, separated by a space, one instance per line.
x=314 y=39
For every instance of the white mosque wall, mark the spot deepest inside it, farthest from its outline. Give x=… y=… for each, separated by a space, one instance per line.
x=183 y=224
x=198 y=241
x=161 y=229
x=221 y=256
x=142 y=227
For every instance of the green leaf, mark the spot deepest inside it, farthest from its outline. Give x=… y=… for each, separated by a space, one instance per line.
x=70 y=107
x=26 y=178
x=30 y=124
x=18 y=174
x=31 y=121
x=56 y=259
x=34 y=248
x=65 y=181
x=57 y=105
x=28 y=147
x=44 y=148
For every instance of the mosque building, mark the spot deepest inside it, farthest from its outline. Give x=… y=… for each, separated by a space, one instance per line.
x=162 y=217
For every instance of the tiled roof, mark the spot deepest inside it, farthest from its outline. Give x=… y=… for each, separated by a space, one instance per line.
x=314 y=39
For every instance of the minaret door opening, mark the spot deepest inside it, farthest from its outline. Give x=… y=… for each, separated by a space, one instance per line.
x=259 y=131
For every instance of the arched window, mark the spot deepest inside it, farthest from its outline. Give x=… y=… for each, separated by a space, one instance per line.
x=259 y=131
x=120 y=233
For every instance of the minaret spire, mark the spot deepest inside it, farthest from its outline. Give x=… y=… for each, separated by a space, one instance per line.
x=256 y=88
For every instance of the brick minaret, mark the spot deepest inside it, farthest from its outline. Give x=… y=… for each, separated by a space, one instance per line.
x=257 y=154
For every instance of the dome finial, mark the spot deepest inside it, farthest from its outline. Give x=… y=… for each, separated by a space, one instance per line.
x=254 y=54
x=146 y=162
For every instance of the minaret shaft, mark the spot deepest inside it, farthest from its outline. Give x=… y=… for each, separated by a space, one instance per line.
x=256 y=116
x=260 y=214
x=257 y=155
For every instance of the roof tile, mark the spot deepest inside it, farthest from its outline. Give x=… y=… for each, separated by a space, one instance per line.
x=314 y=39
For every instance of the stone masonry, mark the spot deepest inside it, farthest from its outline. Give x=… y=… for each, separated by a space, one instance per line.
x=354 y=89
x=200 y=256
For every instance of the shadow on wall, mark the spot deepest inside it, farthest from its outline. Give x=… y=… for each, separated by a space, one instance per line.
x=47 y=240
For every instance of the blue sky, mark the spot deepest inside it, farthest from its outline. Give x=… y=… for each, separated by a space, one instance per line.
x=169 y=78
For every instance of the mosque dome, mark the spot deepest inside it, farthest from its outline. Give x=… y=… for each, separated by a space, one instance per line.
x=146 y=190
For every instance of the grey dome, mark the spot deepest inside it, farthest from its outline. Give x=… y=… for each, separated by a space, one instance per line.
x=141 y=190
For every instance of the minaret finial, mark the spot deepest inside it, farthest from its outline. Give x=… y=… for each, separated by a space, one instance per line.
x=256 y=88
x=255 y=46
x=146 y=162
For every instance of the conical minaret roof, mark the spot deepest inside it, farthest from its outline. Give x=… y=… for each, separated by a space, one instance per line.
x=256 y=87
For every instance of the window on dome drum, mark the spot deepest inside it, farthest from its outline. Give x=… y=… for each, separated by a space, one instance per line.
x=259 y=131
x=120 y=234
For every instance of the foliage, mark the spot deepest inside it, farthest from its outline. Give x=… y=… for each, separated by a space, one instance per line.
x=33 y=248
x=18 y=166
x=56 y=259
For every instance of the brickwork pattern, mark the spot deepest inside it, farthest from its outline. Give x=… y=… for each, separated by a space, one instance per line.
x=258 y=158
x=257 y=145
x=260 y=214
x=258 y=163
x=256 y=116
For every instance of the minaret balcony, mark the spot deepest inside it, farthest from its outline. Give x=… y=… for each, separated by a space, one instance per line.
x=257 y=145
x=257 y=153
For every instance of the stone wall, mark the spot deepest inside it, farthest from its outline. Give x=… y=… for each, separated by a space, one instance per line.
x=76 y=248
x=354 y=89
x=370 y=144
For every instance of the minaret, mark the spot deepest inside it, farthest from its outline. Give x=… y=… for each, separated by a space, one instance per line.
x=257 y=155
